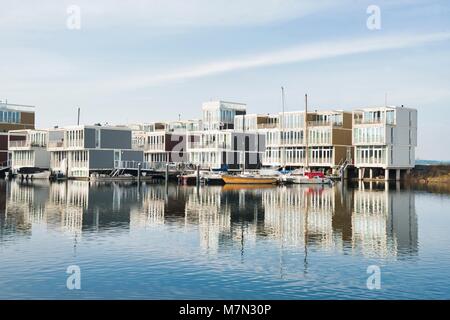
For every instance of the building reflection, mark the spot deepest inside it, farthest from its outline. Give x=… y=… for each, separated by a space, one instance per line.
x=368 y=221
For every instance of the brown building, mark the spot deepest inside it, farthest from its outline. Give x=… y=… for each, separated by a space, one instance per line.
x=13 y=117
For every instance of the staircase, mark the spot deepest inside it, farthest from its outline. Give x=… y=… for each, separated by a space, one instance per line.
x=342 y=166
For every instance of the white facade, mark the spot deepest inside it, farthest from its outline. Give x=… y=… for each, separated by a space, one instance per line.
x=219 y=115
x=29 y=152
x=385 y=137
x=166 y=142
x=217 y=149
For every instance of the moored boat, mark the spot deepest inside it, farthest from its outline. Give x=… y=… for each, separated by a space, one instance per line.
x=309 y=178
x=248 y=179
x=212 y=178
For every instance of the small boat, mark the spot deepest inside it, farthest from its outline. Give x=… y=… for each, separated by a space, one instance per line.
x=41 y=175
x=249 y=179
x=308 y=178
x=212 y=178
x=26 y=173
x=188 y=178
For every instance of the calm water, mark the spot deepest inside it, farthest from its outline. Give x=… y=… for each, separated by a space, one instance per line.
x=179 y=242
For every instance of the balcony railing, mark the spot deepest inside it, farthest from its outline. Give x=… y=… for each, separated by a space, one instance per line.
x=268 y=125
x=56 y=144
x=132 y=165
x=26 y=144
x=155 y=147
x=325 y=123
x=369 y=121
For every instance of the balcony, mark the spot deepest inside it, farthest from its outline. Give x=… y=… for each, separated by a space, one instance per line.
x=56 y=144
x=267 y=125
x=26 y=144
x=325 y=123
x=369 y=121
x=155 y=147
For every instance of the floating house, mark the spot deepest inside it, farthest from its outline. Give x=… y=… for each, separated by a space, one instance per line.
x=13 y=117
x=79 y=151
x=329 y=135
x=385 y=139
x=28 y=150
x=166 y=141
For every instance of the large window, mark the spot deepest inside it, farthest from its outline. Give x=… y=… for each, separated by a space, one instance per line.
x=9 y=116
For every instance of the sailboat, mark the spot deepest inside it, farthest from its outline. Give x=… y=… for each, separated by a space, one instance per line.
x=245 y=178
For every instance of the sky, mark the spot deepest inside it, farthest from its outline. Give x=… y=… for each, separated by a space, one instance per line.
x=135 y=61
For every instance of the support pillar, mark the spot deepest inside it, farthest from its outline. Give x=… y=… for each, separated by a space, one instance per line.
x=386 y=175
x=398 y=175
x=361 y=173
x=371 y=173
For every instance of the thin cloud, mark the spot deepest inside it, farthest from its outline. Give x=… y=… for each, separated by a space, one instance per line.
x=317 y=51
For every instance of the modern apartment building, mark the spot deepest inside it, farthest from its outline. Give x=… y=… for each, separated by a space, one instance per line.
x=79 y=151
x=28 y=149
x=13 y=117
x=219 y=115
x=225 y=149
x=219 y=144
x=166 y=141
x=329 y=138
x=385 y=139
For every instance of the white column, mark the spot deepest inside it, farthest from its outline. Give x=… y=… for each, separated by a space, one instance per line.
x=386 y=175
x=397 y=175
x=371 y=173
x=361 y=173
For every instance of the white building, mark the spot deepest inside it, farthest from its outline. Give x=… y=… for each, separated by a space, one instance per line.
x=166 y=141
x=28 y=149
x=384 y=139
x=219 y=115
x=225 y=149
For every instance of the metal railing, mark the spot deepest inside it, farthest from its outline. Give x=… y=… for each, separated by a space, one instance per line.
x=26 y=144
x=370 y=121
x=325 y=123
x=56 y=144
x=118 y=164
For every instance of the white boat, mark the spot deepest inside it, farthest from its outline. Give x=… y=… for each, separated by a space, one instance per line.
x=299 y=177
x=212 y=178
x=35 y=175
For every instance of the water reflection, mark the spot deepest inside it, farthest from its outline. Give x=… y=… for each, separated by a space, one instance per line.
x=367 y=221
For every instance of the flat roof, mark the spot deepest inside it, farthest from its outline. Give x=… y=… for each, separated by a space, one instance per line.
x=383 y=108
x=82 y=126
x=18 y=107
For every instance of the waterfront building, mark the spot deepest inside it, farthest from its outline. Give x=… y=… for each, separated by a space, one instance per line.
x=329 y=138
x=219 y=145
x=385 y=139
x=225 y=149
x=79 y=151
x=28 y=149
x=219 y=115
x=166 y=141
x=13 y=117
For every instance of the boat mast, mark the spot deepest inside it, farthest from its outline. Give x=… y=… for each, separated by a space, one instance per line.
x=283 y=151
x=306 y=133
x=243 y=141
